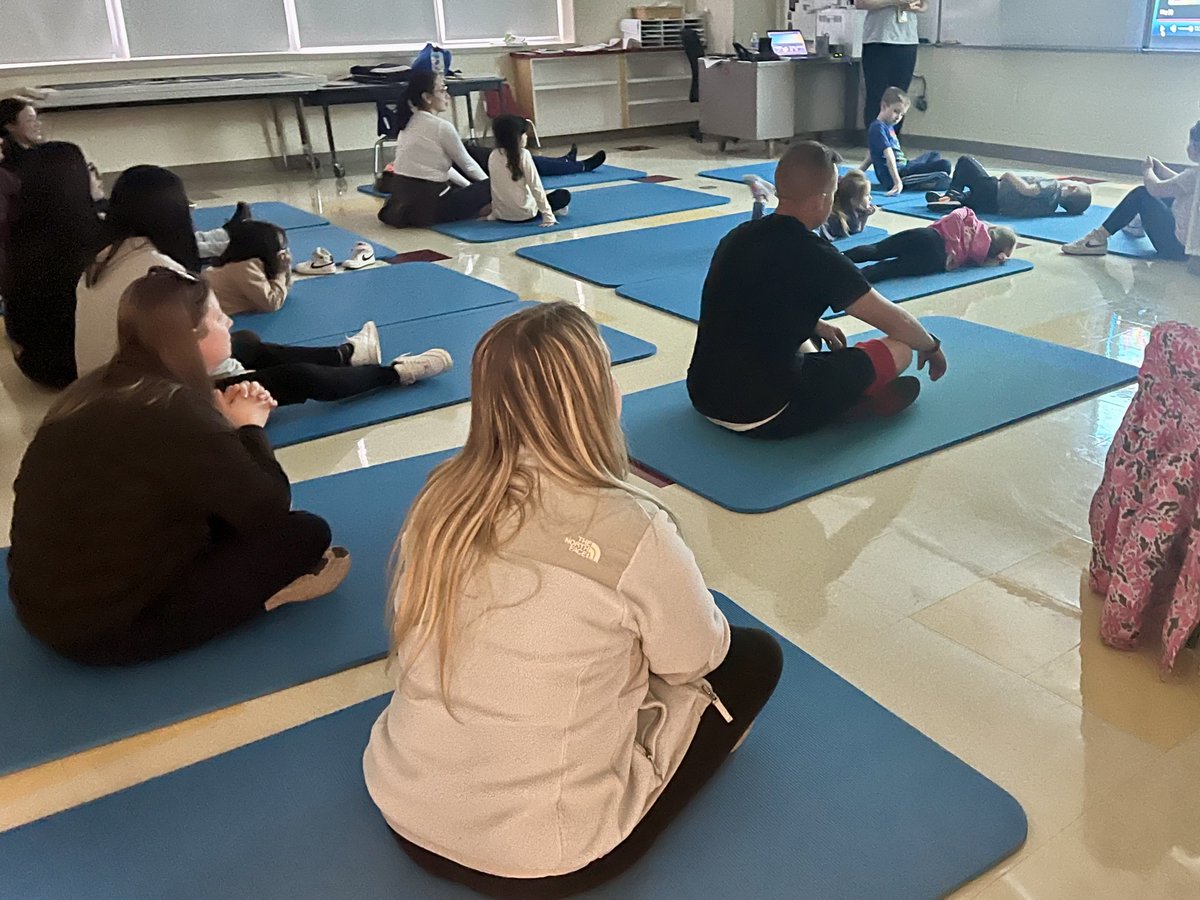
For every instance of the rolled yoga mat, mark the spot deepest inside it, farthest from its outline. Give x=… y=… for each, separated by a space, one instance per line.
x=52 y=707
x=456 y=332
x=995 y=379
x=286 y=216
x=332 y=306
x=599 y=206
x=832 y=797
x=625 y=257
x=679 y=293
x=601 y=175
x=1059 y=228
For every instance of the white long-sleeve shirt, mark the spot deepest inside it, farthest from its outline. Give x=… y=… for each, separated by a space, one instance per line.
x=520 y=200
x=575 y=692
x=429 y=148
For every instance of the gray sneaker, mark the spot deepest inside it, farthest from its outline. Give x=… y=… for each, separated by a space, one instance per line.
x=412 y=369
x=1094 y=243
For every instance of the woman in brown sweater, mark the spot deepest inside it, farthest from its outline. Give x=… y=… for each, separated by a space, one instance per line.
x=150 y=514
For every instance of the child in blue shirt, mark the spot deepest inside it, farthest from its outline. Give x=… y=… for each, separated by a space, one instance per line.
x=896 y=173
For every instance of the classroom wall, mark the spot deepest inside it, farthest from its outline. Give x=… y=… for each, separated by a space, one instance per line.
x=219 y=132
x=1123 y=105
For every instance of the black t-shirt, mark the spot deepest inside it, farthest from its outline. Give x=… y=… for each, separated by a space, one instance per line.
x=768 y=285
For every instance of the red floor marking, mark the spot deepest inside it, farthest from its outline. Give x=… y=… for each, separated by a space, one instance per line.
x=657 y=179
x=417 y=256
x=634 y=148
x=655 y=478
x=1082 y=178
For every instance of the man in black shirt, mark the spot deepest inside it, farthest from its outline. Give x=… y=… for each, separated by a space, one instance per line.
x=757 y=367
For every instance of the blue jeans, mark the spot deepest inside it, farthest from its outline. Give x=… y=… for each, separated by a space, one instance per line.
x=927 y=172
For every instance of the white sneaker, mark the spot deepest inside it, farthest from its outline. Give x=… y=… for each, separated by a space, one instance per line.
x=366 y=346
x=1094 y=243
x=320 y=263
x=1134 y=229
x=412 y=369
x=760 y=189
x=361 y=256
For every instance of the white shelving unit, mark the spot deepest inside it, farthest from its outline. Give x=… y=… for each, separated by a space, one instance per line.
x=574 y=93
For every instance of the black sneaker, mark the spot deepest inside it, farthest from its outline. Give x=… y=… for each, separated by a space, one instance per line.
x=594 y=161
x=933 y=196
x=241 y=214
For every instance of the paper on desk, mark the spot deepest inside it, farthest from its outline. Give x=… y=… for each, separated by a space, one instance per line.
x=710 y=61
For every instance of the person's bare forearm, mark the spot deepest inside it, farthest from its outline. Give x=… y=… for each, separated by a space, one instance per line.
x=1022 y=187
x=895 y=322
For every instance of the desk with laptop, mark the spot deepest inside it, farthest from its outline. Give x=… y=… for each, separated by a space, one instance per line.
x=785 y=87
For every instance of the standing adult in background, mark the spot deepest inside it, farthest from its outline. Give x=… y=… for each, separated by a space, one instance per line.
x=20 y=129
x=889 y=53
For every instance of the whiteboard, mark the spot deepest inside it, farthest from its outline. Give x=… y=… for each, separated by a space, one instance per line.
x=1064 y=24
x=53 y=30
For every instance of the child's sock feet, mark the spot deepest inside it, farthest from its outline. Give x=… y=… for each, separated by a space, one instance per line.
x=1094 y=243
x=595 y=161
x=760 y=189
x=365 y=349
x=573 y=152
x=412 y=369
x=331 y=571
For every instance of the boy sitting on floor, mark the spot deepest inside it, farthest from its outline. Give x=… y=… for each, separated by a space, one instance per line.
x=895 y=172
x=1010 y=194
x=757 y=367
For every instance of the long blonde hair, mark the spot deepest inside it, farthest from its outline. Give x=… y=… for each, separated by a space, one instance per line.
x=542 y=402
x=853 y=193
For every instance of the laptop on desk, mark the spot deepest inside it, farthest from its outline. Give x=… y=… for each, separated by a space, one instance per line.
x=788 y=44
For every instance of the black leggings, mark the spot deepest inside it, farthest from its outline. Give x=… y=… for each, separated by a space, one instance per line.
x=885 y=66
x=1157 y=218
x=224 y=588
x=917 y=251
x=744 y=682
x=981 y=190
x=296 y=374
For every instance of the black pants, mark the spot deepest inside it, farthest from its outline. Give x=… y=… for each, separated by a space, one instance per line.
x=296 y=374
x=981 y=190
x=225 y=587
x=1157 y=218
x=885 y=66
x=744 y=682
x=917 y=251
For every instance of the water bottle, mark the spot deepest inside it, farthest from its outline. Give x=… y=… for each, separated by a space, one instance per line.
x=754 y=42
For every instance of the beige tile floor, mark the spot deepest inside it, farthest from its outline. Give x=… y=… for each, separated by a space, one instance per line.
x=949 y=589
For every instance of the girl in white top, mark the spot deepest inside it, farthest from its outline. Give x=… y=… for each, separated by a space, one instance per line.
x=565 y=682
x=517 y=192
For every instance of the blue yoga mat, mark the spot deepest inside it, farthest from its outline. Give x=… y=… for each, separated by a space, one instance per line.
x=679 y=293
x=766 y=171
x=600 y=206
x=624 y=257
x=338 y=241
x=337 y=305
x=52 y=708
x=831 y=797
x=995 y=379
x=457 y=332
x=602 y=175
x=286 y=216
x=1059 y=228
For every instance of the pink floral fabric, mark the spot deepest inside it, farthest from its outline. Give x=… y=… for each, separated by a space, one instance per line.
x=1144 y=518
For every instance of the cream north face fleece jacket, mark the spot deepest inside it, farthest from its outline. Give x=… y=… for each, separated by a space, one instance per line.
x=575 y=692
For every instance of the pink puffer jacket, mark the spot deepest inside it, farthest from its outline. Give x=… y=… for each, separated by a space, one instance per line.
x=1144 y=518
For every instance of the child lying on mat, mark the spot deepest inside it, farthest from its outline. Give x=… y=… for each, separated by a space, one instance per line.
x=852 y=205
x=757 y=368
x=1010 y=194
x=517 y=192
x=957 y=240
x=895 y=171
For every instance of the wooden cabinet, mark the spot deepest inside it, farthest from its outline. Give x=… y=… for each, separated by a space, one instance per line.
x=575 y=93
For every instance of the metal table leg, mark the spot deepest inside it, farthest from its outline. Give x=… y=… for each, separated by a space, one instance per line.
x=283 y=154
x=305 y=137
x=470 y=116
x=338 y=169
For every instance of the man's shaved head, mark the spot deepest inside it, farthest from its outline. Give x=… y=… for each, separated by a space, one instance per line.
x=805 y=169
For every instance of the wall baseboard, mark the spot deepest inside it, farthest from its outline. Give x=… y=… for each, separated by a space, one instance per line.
x=1114 y=164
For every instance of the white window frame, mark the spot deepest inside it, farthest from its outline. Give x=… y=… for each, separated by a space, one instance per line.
x=121 y=52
